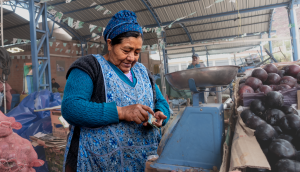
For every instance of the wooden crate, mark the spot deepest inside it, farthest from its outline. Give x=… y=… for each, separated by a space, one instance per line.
x=57 y=128
x=55 y=158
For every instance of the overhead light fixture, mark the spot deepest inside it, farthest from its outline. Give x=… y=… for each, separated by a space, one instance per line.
x=15 y=50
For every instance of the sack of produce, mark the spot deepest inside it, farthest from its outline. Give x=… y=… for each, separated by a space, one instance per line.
x=16 y=153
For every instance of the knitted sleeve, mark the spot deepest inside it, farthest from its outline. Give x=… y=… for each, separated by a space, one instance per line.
x=162 y=105
x=77 y=108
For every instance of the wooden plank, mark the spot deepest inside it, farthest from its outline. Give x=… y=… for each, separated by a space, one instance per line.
x=298 y=99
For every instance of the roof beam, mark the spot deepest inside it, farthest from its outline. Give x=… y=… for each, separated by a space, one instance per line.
x=88 y=36
x=63 y=2
x=270 y=28
x=143 y=10
x=265 y=7
x=152 y=11
x=215 y=29
x=188 y=34
x=183 y=53
x=225 y=37
x=82 y=9
x=226 y=42
x=172 y=28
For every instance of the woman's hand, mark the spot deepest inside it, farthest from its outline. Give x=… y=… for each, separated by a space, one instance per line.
x=137 y=113
x=159 y=119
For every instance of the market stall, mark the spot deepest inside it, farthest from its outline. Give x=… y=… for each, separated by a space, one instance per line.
x=268 y=123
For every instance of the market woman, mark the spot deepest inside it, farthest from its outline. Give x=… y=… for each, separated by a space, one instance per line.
x=107 y=100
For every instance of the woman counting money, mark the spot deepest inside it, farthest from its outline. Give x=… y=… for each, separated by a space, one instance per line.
x=108 y=100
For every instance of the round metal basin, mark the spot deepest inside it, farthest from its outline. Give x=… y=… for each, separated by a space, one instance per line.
x=204 y=77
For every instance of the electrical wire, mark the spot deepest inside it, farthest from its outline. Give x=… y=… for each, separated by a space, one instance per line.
x=5 y=63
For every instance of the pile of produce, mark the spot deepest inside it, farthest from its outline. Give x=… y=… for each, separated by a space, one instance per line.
x=16 y=153
x=277 y=130
x=270 y=78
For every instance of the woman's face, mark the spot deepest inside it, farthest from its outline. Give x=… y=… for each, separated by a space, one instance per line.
x=126 y=54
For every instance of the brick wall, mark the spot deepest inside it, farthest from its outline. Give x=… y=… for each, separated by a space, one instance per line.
x=17 y=71
x=17 y=68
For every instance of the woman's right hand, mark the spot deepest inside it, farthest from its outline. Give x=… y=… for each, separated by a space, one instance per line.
x=137 y=113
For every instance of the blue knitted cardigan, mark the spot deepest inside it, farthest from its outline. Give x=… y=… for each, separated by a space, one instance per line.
x=84 y=104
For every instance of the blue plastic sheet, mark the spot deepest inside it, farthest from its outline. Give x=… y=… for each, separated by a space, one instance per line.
x=34 y=122
x=24 y=112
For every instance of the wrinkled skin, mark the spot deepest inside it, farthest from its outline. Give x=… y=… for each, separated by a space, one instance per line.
x=16 y=153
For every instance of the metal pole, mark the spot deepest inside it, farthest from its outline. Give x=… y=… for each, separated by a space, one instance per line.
x=207 y=56
x=193 y=50
x=294 y=30
x=162 y=66
x=82 y=51
x=34 y=52
x=2 y=43
x=270 y=29
x=219 y=94
x=261 y=49
x=46 y=49
x=235 y=58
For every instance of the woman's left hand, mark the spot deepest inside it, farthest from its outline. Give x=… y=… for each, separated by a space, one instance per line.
x=159 y=119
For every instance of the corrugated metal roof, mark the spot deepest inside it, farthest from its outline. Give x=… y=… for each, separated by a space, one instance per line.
x=167 y=11
x=15 y=26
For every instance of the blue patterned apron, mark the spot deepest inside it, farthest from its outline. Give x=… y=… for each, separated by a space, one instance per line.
x=122 y=147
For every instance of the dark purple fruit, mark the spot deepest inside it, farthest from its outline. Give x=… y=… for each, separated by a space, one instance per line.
x=264 y=134
x=297 y=156
x=254 y=121
x=256 y=170
x=288 y=80
x=254 y=83
x=278 y=129
x=297 y=140
x=273 y=87
x=273 y=79
x=264 y=89
x=246 y=114
x=287 y=165
x=292 y=70
x=273 y=116
x=281 y=149
x=298 y=77
x=274 y=100
x=290 y=123
x=281 y=73
x=271 y=68
x=241 y=85
x=282 y=87
x=286 y=137
x=246 y=89
x=257 y=107
x=260 y=74
x=287 y=109
x=243 y=80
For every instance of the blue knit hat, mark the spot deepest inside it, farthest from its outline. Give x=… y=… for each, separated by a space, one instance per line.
x=121 y=22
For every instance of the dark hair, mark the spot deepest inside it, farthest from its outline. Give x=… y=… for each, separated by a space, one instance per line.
x=53 y=79
x=118 y=39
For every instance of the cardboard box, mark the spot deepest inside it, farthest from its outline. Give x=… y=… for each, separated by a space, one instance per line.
x=245 y=150
x=55 y=159
x=57 y=128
